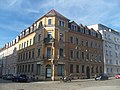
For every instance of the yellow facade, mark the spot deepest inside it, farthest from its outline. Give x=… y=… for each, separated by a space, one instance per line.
x=51 y=53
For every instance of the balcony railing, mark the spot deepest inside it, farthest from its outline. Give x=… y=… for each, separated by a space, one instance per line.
x=48 y=40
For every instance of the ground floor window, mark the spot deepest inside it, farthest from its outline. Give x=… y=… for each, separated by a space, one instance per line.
x=38 y=69
x=60 y=69
x=71 y=68
x=107 y=70
x=77 y=68
x=100 y=69
x=97 y=69
x=82 y=68
x=92 y=69
x=32 y=68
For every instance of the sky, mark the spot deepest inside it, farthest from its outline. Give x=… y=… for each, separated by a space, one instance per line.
x=17 y=15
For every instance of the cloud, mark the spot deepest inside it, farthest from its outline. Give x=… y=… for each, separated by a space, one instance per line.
x=12 y=3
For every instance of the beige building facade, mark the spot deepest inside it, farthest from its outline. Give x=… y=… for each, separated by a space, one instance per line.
x=53 y=47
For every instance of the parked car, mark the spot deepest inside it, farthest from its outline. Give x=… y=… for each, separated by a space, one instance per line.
x=117 y=76
x=9 y=77
x=20 y=78
x=0 y=76
x=102 y=77
x=4 y=76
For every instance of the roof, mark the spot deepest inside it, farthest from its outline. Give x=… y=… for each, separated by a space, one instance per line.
x=54 y=13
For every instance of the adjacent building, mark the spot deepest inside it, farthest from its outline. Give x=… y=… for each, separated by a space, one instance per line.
x=8 y=58
x=111 y=48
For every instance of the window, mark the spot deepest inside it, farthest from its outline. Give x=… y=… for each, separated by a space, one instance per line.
x=106 y=53
x=49 y=35
x=87 y=56
x=48 y=52
x=93 y=56
x=82 y=55
x=111 y=70
x=30 y=41
x=82 y=42
x=92 y=69
x=71 y=68
x=40 y=24
x=32 y=53
x=116 y=55
x=19 y=46
x=77 y=55
x=106 y=61
x=23 y=56
x=61 y=23
x=18 y=57
x=97 y=69
x=95 y=45
x=39 y=37
x=25 y=68
x=75 y=27
x=91 y=44
x=77 y=41
x=26 y=55
x=117 y=62
x=82 y=68
x=87 y=43
x=110 y=61
x=49 y=21
x=77 y=68
x=107 y=70
x=38 y=69
x=60 y=69
x=100 y=58
x=24 y=44
x=39 y=52
x=28 y=67
x=110 y=53
x=61 y=52
x=32 y=67
x=20 y=68
x=72 y=27
x=71 y=39
x=34 y=40
x=96 y=58
x=29 y=54
x=71 y=54
x=27 y=43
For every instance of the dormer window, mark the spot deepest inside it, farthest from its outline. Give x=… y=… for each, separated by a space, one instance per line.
x=40 y=24
x=75 y=28
x=72 y=27
x=49 y=21
x=61 y=23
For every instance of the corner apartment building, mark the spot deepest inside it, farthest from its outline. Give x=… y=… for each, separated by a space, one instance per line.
x=111 y=48
x=53 y=46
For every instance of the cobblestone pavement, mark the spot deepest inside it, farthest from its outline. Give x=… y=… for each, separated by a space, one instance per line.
x=81 y=84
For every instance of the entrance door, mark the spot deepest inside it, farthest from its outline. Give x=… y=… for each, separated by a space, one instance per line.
x=48 y=72
x=88 y=72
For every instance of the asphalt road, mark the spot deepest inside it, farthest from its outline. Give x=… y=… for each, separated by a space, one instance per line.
x=81 y=84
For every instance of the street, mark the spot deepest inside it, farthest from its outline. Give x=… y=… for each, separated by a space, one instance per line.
x=81 y=84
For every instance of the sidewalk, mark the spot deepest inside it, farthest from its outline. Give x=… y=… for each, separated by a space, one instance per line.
x=76 y=80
